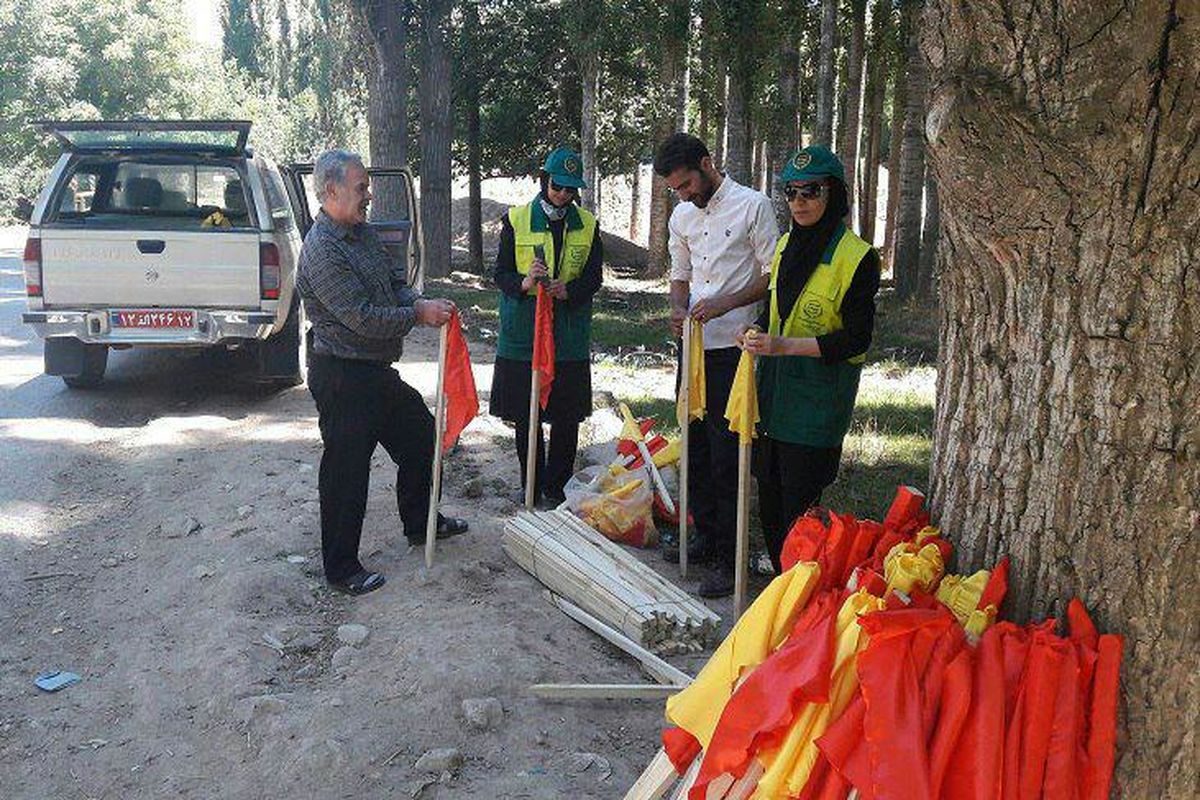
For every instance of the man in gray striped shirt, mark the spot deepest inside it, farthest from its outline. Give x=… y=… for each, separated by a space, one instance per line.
x=360 y=306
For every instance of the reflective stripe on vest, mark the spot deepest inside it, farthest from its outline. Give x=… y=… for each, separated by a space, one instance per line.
x=817 y=311
x=577 y=242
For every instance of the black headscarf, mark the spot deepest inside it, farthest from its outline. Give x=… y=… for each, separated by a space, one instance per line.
x=804 y=249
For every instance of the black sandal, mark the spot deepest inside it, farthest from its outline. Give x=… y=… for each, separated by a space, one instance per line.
x=360 y=582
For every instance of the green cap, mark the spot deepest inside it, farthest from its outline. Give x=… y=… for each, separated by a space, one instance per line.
x=812 y=163
x=565 y=167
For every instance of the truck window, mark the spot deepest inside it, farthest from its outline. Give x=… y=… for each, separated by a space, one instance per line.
x=152 y=195
x=277 y=198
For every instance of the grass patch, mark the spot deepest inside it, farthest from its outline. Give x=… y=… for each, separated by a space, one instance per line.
x=622 y=322
x=661 y=408
x=890 y=439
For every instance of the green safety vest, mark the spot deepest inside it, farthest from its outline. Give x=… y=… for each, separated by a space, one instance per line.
x=572 y=326
x=802 y=400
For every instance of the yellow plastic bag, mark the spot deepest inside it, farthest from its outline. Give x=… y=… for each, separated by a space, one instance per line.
x=621 y=509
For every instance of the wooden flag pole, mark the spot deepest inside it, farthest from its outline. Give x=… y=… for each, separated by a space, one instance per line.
x=439 y=427
x=535 y=391
x=685 y=400
x=743 y=530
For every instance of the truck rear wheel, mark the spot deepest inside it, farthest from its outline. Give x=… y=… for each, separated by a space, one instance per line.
x=80 y=365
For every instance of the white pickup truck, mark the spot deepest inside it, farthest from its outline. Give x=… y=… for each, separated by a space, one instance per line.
x=176 y=234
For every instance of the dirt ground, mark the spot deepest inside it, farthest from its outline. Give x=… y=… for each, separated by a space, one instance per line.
x=160 y=538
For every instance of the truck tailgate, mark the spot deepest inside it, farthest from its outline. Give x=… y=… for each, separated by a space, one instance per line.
x=150 y=268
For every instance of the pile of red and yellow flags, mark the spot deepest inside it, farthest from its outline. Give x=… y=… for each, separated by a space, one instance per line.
x=864 y=671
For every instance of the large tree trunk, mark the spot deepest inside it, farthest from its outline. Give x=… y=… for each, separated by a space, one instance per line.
x=896 y=130
x=784 y=135
x=474 y=190
x=591 y=89
x=437 y=130
x=471 y=25
x=1067 y=432
x=852 y=97
x=930 y=232
x=823 y=132
x=873 y=120
x=722 y=132
x=738 y=150
x=387 y=100
x=635 y=204
x=907 y=254
x=672 y=55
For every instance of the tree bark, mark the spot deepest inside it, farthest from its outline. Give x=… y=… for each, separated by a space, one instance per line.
x=853 y=95
x=471 y=33
x=591 y=90
x=722 y=132
x=672 y=54
x=1066 y=431
x=873 y=120
x=738 y=150
x=437 y=130
x=635 y=203
x=387 y=99
x=907 y=253
x=823 y=131
x=930 y=232
x=784 y=136
x=896 y=131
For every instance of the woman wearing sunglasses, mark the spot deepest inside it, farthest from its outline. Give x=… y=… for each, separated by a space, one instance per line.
x=552 y=241
x=813 y=338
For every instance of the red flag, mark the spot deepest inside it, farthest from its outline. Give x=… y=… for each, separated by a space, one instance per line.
x=543 y=342
x=462 y=401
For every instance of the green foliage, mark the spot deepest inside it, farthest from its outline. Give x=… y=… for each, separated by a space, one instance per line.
x=134 y=58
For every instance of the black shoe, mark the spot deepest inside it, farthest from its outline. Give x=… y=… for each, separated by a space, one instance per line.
x=718 y=583
x=517 y=498
x=669 y=542
x=447 y=528
x=360 y=582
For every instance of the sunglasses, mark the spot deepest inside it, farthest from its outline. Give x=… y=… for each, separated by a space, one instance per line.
x=807 y=191
x=567 y=189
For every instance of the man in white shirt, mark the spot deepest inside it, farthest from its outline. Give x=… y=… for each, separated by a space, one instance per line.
x=722 y=240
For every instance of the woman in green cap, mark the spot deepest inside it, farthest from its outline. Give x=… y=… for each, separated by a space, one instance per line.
x=550 y=240
x=813 y=338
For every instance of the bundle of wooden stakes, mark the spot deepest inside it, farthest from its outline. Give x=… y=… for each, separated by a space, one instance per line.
x=597 y=575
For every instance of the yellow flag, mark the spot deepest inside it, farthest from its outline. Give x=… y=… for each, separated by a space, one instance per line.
x=742 y=410
x=631 y=431
x=755 y=636
x=789 y=765
x=695 y=378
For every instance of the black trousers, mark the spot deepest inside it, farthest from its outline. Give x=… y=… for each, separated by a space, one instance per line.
x=713 y=462
x=361 y=404
x=790 y=480
x=553 y=470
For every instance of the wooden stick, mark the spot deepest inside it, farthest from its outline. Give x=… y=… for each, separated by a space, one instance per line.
x=656 y=475
x=743 y=530
x=602 y=691
x=535 y=391
x=439 y=426
x=689 y=779
x=655 y=780
x=660 y=670
x=685 y=399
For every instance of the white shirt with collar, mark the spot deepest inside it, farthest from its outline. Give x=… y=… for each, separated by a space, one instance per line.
x=721 y=249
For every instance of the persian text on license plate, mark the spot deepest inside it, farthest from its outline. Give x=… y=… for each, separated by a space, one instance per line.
x=153 y=318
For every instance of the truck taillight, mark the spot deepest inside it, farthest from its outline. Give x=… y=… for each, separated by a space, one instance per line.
x=268 y=271
x=33 y=267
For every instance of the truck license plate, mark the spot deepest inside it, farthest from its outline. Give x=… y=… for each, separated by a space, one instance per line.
x=153 y=318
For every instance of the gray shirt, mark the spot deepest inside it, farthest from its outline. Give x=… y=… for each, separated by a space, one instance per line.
x=355 y=293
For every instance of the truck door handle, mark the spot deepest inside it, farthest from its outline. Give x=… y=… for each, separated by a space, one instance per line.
x=151 y=246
